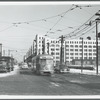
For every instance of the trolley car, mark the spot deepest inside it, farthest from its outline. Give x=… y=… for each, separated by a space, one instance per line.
x=43 y=64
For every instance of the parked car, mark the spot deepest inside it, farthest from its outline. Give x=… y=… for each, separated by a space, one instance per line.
x=61 y=68
x=24 y=66
x=3 y=66
x=64 y=68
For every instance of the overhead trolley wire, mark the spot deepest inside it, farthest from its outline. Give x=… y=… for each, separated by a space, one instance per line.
x=80 y=26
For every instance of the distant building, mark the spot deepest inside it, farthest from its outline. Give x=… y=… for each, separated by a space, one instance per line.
x=72 y=49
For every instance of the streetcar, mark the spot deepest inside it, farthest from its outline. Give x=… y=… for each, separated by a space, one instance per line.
x=43 y=64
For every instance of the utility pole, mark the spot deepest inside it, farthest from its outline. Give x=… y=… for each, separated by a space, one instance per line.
x=48 y=44
x=3 y=52
x=0 y=50
x=44 y=46
x=97 y=47
x=61 y=56
x=97 y=20
x=82 y=57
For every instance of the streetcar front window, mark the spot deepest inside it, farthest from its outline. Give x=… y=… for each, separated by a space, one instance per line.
x=49 y=61
x=43 y=61
x=46 y=61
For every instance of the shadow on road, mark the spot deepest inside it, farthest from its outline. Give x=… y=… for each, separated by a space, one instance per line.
x=26 y=72
x=90 y=85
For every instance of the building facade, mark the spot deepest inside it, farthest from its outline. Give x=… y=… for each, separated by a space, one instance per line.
x=72 y=49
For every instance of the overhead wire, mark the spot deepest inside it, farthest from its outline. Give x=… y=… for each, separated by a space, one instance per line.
x=80 y=26
x=84 y=32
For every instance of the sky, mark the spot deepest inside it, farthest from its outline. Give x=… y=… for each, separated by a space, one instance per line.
x=19 y=23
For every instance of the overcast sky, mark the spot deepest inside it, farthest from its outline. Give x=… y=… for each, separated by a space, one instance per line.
x=20 y=23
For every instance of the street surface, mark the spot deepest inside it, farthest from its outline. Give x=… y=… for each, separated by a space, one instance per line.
x=25 y=82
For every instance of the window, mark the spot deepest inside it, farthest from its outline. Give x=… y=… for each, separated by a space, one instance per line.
x=85 y=46
x=76 y=53
x=76 y=57
x=89 y=42
x=94 y=53
x=93 y=42
x=76 y=49
x=39 y=45
x=80 y=49
x=67 y=49
x=80 y=46
x=57 y=45
x=71 y=49
x=71 y=45
x=52 y=45
x=90 y=50
x=71 y=57
x=57 y=53
x=67 y=57
x=94 y=50
x=57 y=49
x=76 y=45
x=90 y=46
x=57 y=57
x=85 y=53
x=90 y=57
x=71 y=53
x=90 y=53
x=52 y=49
x=67 y=45
x=85 y=49
x=67 y=53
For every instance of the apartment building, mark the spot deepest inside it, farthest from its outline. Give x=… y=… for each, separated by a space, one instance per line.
x=72 y=49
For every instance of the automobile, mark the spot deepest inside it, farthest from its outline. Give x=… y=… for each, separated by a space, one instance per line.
x=24 y=66
x=3 y=66
x=62 y=68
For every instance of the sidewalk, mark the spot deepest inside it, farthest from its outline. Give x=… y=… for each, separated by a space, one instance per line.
x=88 y=72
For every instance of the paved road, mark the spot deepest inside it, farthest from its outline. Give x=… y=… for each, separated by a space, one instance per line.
x=25 y=82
